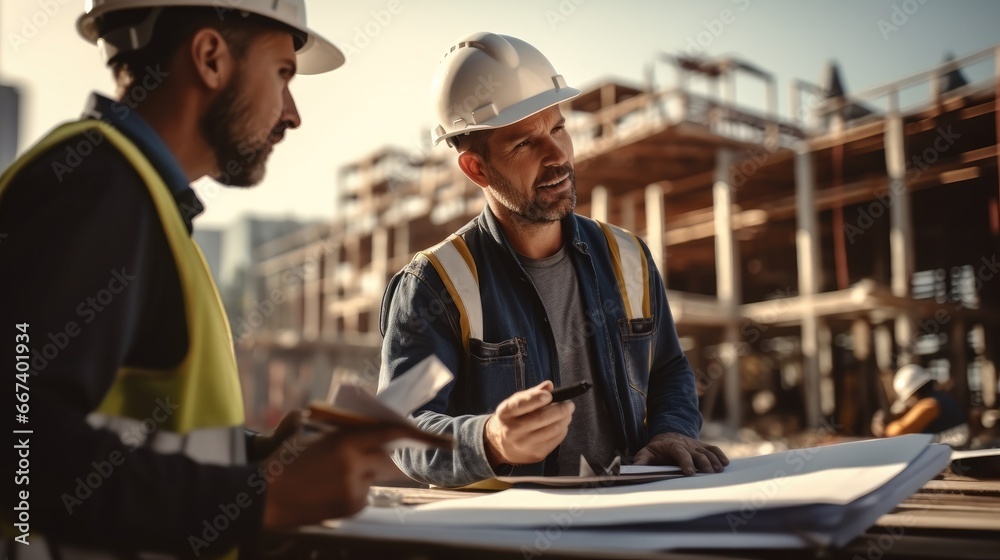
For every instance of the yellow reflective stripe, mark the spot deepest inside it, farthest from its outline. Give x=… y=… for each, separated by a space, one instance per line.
x=616 y=263
x=457 y=269
x=465 y=282
x=633 y=267
x=646 y=308
x=455 y=296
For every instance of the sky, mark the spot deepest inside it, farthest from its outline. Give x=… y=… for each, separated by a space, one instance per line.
x=381 y=96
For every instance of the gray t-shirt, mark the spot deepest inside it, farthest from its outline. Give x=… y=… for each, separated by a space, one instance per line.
x=590 y=431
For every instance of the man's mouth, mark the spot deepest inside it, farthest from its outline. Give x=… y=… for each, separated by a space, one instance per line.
x=554 y=183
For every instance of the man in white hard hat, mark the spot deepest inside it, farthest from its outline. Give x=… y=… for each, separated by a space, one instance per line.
x=132 y=399
x=529 y=296
x=921 y=407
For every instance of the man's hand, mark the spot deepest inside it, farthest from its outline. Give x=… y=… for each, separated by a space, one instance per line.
x=329 y=477
x=526 y=427
x=686 y=453
x=262 y=445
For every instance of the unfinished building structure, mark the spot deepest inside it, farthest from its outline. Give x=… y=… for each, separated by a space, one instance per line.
x=805 y=257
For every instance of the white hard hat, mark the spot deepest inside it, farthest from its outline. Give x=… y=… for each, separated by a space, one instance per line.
x=315 y=56
x=488 y=81
x=908 y=379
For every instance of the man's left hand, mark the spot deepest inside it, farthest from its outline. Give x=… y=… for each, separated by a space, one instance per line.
x=686 y=453
x=263 y=445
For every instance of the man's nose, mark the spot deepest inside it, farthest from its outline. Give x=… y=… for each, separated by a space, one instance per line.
x=289 y=113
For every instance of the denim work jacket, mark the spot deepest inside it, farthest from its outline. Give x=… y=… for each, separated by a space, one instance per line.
x=518 y=351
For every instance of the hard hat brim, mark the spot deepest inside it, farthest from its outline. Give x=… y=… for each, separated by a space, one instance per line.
x=316 y=56
x=518 y=112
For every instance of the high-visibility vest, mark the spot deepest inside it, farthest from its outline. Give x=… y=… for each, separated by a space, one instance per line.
x=455 y=265
x=207 y=423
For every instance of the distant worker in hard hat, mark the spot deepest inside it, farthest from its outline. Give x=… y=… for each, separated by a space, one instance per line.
x=529 y=296
x=922 y=407
x=132 y=407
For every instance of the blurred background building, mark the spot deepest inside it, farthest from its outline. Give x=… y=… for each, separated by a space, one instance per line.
x=806 y=256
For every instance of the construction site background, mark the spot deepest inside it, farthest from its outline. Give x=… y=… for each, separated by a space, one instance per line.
x=805 y=256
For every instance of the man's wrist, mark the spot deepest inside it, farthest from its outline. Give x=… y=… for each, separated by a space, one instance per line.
x=493 y=455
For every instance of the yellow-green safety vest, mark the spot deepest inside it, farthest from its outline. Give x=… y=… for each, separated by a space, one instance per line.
x=207 y=424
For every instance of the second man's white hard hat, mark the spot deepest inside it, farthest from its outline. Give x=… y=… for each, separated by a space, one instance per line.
x=314 y=56
x=488 y=81
x=908 y=379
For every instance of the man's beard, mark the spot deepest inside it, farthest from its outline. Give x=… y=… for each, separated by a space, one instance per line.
x=532 y=209
x=240 y=154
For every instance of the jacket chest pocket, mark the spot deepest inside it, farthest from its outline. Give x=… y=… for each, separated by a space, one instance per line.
x=497 y=370
x=637 y=346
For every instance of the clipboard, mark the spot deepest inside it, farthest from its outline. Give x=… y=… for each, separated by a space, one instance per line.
x=323 y=417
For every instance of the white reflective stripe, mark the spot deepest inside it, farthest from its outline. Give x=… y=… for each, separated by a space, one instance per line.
x=211 y=446
x=631 y=264
x=37 y=550
x=465 y=283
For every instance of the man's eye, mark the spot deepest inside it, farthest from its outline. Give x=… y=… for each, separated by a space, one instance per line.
x=523 y=143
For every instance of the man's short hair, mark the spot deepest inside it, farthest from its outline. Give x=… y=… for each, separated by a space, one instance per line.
x=476 y=142
x=176 y=25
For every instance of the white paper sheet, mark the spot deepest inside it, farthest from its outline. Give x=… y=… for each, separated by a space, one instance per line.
x=416 y=387
x=836 y=474
x=649 y=469
x=974 y=454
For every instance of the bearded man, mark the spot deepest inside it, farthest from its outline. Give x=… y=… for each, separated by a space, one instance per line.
x=135 y=417
x=529 y=295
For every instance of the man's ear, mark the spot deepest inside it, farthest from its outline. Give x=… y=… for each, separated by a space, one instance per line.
x=212 y=59
x=473 y=166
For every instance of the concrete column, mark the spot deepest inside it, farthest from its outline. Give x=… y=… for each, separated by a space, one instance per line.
x=807 y=248
x=901 y=226
x=727 y=272
x=628 y=212
x=402 y=241
x=959 y=361
x=599 y=204
x=380 y=259
x=827 y=391
x=312 y=284
x=328 y=326
x=655 y=225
